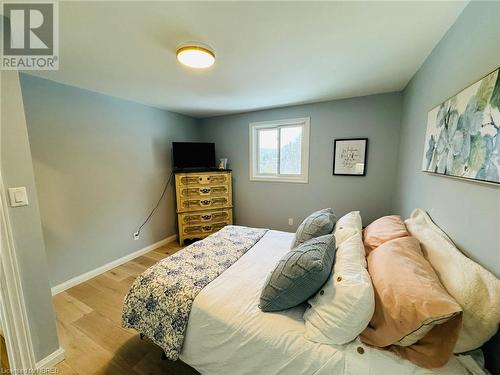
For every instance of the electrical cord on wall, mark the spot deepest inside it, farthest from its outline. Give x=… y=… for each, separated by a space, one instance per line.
x=138 y=232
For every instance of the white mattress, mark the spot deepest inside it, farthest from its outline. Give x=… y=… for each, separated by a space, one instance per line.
x=228 y=334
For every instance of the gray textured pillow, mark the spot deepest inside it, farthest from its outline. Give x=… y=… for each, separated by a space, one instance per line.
x=299 y=274
x=317 y=224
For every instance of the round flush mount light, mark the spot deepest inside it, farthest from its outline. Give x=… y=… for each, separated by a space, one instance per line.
x=195 y=55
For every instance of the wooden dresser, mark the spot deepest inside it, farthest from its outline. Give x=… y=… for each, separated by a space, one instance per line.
x=204 y=203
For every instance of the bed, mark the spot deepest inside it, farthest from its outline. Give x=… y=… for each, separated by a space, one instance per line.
x=227 y=333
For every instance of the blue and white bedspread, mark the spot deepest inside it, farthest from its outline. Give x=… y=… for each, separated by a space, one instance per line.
x=160 y=300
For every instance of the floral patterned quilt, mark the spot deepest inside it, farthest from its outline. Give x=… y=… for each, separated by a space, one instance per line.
x=160 y=300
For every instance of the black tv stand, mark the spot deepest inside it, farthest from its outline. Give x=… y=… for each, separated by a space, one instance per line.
x=200 y=169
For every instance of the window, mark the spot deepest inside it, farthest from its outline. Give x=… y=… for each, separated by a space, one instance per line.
x=279 y=150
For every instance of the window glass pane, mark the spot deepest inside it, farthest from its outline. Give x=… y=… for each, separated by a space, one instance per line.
x=290 y=150
x=268 y=151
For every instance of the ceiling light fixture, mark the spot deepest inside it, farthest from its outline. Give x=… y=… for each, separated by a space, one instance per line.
x=195 y=55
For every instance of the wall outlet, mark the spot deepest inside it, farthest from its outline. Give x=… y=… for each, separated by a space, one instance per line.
x=290 y=221
x=136 y=236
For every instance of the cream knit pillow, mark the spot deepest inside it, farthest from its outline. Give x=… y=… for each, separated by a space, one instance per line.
x=473 y=287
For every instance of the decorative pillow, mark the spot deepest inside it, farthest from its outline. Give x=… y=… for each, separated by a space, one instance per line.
x=345 y=304
x=317 y=224
x=382 y=230
x=408 y=299
x=348 y=225
x=299 y=274
x=435 y=348
x=474 y=288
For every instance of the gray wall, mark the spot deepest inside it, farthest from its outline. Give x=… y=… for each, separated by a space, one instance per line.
x=270 y=204
x=17 y=170
x=469 y=212
x=100 y=166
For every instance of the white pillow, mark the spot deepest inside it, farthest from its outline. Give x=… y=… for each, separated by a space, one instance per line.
x=475 y=289
x=347 y=225
x=345 y=304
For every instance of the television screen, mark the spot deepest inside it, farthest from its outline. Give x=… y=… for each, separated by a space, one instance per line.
x=192 y=155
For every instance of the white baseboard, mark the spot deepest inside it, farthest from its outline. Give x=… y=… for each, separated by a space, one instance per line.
x=108 y=266
x=51 y=360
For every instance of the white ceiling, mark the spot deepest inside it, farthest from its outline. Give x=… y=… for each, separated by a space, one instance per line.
x=269 y=54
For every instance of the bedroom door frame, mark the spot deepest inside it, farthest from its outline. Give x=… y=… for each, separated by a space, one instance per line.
x=15 y=322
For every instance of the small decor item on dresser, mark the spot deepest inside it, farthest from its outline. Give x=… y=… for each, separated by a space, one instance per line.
x=349 y=156
x=223 y=163
x=463 y=133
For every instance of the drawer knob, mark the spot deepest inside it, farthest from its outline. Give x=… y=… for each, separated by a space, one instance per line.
x=206 y=202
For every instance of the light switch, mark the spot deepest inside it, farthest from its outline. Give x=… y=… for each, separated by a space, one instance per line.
x=18 y=196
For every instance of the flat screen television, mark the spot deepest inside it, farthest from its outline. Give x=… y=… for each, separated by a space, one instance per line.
x=193 y=155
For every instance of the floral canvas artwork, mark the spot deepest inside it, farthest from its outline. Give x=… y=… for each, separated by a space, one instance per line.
x=462 y=138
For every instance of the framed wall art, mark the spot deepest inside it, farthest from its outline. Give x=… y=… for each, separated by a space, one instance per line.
x=349 y=156
x=463 y=133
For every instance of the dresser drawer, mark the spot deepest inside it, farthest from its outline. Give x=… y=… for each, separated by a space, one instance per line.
x=208 y=217
x=204 y=191
x=201 y=179
x=202 y=229
x=197 y=204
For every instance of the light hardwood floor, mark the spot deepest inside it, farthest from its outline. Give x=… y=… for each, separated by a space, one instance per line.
x=89 y=325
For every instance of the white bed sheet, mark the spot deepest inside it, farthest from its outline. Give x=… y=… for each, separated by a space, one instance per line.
x=228 y=334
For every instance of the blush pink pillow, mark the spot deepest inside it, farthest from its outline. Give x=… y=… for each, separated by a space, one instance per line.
x=382 y=230
x=415 y=316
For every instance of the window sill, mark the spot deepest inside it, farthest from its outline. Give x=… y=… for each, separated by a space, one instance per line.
x=298 y=180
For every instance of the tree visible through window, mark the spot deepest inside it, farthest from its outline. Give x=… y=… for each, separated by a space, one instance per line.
x=279 y=150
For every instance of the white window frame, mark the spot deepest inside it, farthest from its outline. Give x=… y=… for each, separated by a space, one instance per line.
x=254 y=127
